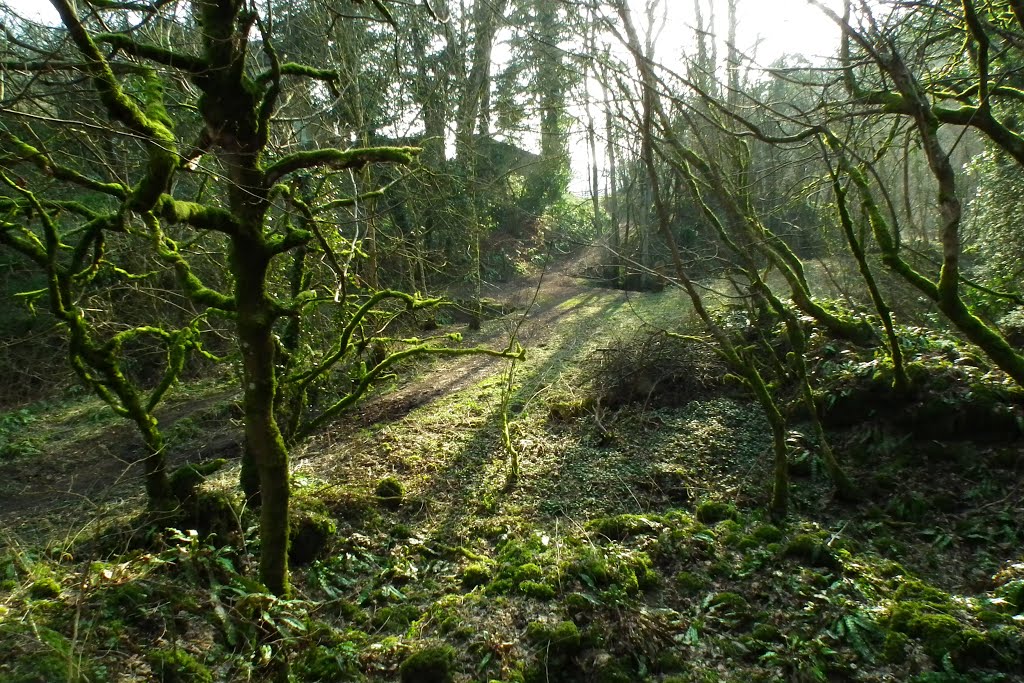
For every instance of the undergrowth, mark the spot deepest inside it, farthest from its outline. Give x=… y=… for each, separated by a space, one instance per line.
x=633 y=546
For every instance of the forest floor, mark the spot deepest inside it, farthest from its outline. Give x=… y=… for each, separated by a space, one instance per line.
x=632 y=545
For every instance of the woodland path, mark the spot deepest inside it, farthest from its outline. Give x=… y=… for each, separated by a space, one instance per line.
x=88 y=463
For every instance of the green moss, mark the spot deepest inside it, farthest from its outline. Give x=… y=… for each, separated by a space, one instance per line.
x=690 y=583
x=578 y=602
x=178 y=666
x=646 y=577
x=537 y=589
x=613 y=671
x=44 y=588
x=395 y=618
x=527 y=572
x=620 y=527
x=1013 y=593
x=390 y=493
x=939 y=634
x=894 y=649
x=592 y=569
x=768 y=533
x=561 y=638
x=915 y=590
x=712 y=511
x=766 y=633
x=213 y=513
x=311 y=533
x=731 y=608
x=186 y=479
x=429 y=665
x=722 y=569
x=402 y=531
x=476 y=574
x=334 y=662
x=811 y=551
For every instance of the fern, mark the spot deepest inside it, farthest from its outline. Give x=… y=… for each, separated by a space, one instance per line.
x=860 y=632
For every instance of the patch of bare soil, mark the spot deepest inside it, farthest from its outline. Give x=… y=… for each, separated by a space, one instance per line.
x=93 y=465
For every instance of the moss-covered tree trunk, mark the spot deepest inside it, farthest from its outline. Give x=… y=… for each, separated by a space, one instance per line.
x=266 y=448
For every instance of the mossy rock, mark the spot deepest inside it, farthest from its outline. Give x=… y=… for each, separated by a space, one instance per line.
x=690 y=583
x=713 y=511
x=527 y=572
x=395 y=618
x=592 y=568
x=811 y=551
x=1013 y=593
x=186 y=479
x=390 y=493
x=621 y=527
x=537 y=589
x=326 y=663
x=894 y=649
x=613 y=671
x=429 y=665
x=722 y=569
x=178 y=666
x=939 y=634
x=642 y=567
x=44 y=588
x=913 y=590
x=578 y=602
x=731 y=608
x=310 y=536
x=766 y=633
x=767 y=533
x=213 y=513
x=476 y=574
x=560 y=638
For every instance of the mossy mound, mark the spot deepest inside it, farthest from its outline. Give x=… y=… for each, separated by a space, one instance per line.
x=558 y=639
x=44 y=588
x=390 y=493
x=186 y=479
x=939 y=634
x=713 y=511
x=811 y=551
x=213 y=513
x=689 y=583
x=178 y=666
x=394 y=618
x=476 y=574
x=767 y=533
x=310 y=535
x=429 y=665
x=621 y=527
x=537 y=589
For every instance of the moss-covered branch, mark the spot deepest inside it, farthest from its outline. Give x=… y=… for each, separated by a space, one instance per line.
x=300 y=71
x=900 y=381
x=337 y=158
x=153 y=53
x=194 y=288
x=344 y=345
x=22 y=151
x=199 y=216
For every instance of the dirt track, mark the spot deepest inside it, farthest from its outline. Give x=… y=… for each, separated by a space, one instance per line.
x=99 y=469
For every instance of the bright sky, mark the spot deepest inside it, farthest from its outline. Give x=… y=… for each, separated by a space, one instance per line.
x=767 y=30
x=781 y=25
